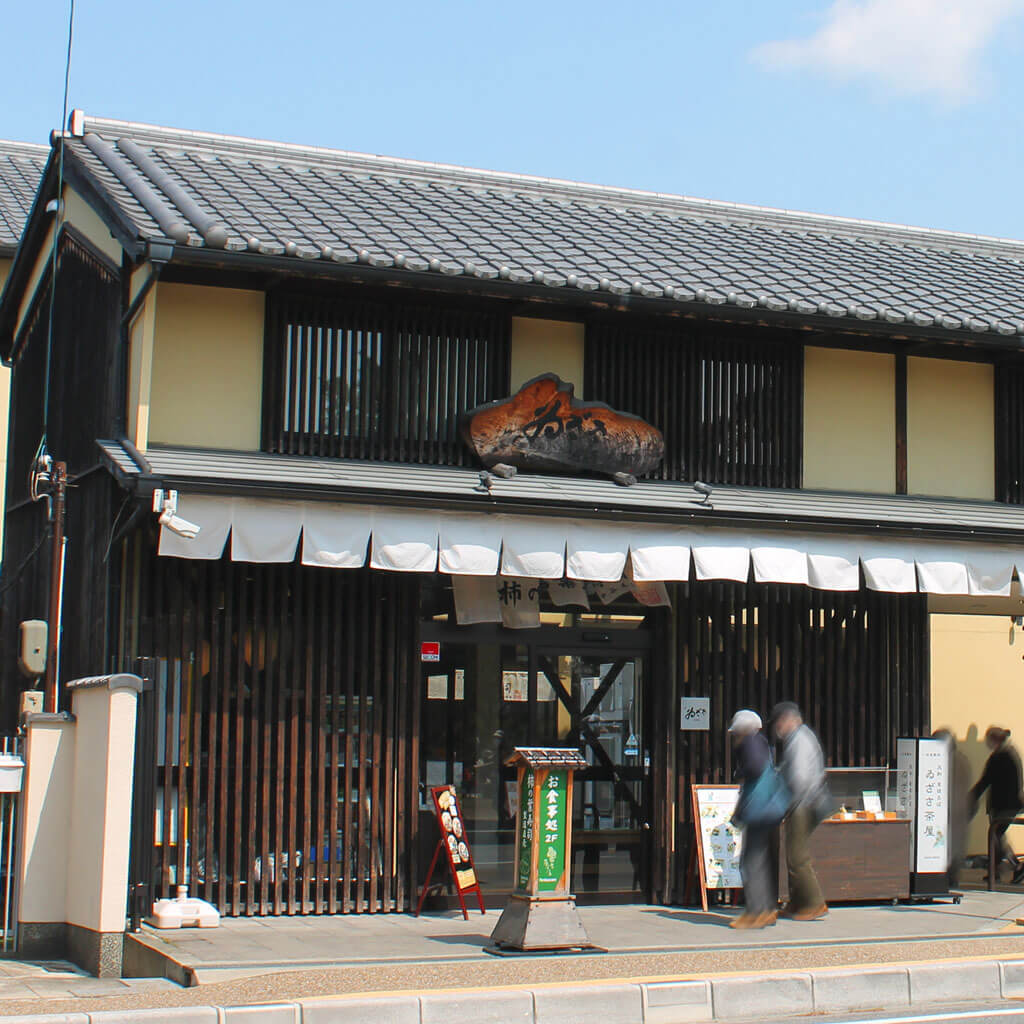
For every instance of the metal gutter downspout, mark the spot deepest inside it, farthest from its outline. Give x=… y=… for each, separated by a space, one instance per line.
x=158 y=255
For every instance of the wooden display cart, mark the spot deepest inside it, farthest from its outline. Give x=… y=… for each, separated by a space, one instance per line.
x=541 y=913
x=859 y=859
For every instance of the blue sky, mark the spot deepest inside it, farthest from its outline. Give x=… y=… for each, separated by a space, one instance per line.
x=900 y=110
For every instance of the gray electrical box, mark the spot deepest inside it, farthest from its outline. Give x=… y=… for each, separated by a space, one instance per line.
x=32 y=653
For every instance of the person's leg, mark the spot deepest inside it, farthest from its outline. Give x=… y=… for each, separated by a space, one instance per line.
x=755 y=860
x=755 y=871
x=804 y=890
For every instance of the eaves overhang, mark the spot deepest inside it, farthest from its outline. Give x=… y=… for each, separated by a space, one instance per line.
x=446 y=488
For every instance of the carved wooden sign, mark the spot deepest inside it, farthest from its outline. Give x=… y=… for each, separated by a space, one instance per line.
x=543 y=427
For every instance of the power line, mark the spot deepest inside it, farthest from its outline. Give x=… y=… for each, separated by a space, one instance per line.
x=57 y=225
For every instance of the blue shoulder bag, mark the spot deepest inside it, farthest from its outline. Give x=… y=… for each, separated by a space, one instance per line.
x=764 y=802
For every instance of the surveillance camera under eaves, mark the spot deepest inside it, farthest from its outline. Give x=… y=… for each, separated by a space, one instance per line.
x=182 y=527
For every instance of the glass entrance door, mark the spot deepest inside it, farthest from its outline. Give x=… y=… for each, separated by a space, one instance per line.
x=481 y=699
x=599 y=707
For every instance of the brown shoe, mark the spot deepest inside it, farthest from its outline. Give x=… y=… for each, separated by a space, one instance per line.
x=745 y=921
x=788 y=911
x=813 y=914
x=767 y=919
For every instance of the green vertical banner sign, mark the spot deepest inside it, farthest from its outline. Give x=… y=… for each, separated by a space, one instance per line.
x=524 y=855
x=550 y=821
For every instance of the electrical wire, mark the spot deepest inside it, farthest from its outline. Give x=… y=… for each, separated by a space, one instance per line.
x=8 y=583
x=57 y=226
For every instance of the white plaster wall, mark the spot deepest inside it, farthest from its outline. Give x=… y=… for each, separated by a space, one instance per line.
x=45 y=839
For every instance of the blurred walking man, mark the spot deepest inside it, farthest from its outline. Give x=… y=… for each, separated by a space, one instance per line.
x=803 y=767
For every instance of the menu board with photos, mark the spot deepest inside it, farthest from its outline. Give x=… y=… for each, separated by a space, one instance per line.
x=719 y=842
x=455 y=844
x=453 y=835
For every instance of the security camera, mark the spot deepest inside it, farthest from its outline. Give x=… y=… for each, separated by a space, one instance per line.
x=703 y=489
x=166 y=503
x=182 y=527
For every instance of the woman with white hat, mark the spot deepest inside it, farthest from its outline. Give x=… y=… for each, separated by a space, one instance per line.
x=753 y=761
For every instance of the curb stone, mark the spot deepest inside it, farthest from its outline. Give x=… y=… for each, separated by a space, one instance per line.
x=613 y=1003
x=842 y=990
x=731 y=998
x=502 y=1007
x=761 y=996
x=675 y=1002
x=360 y=1010
x=955 y=983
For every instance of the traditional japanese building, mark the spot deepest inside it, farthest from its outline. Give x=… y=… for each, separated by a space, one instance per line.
x=342 y=608
x=21 y=167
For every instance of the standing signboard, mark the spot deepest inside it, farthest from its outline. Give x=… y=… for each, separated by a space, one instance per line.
x=923 y=773
x=718 y=842
x=541 y=912
x=455 y=844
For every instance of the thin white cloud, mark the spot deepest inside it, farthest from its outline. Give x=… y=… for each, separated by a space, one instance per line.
x=911 y=46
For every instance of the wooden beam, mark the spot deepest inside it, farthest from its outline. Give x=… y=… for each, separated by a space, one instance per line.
x=901 y=423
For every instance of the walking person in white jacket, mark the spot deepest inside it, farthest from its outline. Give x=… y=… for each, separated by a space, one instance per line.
x=803 y=768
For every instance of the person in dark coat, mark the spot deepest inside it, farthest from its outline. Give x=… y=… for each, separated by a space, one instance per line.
x=757 y=863
x=1002 y=779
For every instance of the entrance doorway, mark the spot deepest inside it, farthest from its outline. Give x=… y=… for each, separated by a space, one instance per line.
x=495 y=689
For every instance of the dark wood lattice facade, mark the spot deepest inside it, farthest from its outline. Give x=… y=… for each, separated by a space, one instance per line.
x=386 y=381
x=729 y=405
x=276 y=762
x=82 y=406
x=1009 y=382
x=857 y=663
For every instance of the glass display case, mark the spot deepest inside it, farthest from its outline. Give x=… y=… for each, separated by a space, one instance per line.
x=869 y=793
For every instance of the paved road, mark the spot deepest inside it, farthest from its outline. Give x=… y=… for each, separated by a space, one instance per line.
x=993 y=1013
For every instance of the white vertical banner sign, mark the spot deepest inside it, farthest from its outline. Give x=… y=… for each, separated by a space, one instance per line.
x=932 y=807
x=906 y=783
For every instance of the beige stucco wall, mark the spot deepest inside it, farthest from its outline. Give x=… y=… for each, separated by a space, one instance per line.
x=546 y=346
x=950 y=428
x=977 y=680
x=849 y=420
x=207 y=369
x=140 y=359
x=45 y=821
x=101 y=813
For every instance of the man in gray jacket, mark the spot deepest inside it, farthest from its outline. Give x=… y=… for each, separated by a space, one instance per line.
x=803 y=768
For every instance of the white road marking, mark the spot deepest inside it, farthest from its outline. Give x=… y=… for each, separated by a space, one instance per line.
x=924 y=1019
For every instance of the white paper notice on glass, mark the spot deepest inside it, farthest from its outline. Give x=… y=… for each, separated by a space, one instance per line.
x=514 y=685
x=695 y=713
x=932 y=807
x=460 y=684
x=437 y=689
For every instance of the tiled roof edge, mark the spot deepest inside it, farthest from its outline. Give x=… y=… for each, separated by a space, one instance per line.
x=673 y=203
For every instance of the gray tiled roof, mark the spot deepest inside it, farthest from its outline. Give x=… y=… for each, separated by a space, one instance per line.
x=21 y=168
x=216 y=471
x=305 y=203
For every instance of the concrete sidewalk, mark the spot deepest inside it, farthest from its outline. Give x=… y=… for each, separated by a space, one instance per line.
x=288 y=961
x=244 y=947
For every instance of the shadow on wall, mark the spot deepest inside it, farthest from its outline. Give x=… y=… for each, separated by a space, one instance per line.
x=971 y=755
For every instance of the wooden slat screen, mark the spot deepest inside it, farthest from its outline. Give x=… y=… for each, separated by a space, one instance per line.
x=730 y=409
x=1009 y=428
x=279 y=732
x=857 y=663
x=362 y=380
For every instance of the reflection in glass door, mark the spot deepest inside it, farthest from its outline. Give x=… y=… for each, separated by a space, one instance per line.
x=600 y=708
x=482 y=699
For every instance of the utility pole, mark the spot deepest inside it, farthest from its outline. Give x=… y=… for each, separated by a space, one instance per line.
x=58 y=492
